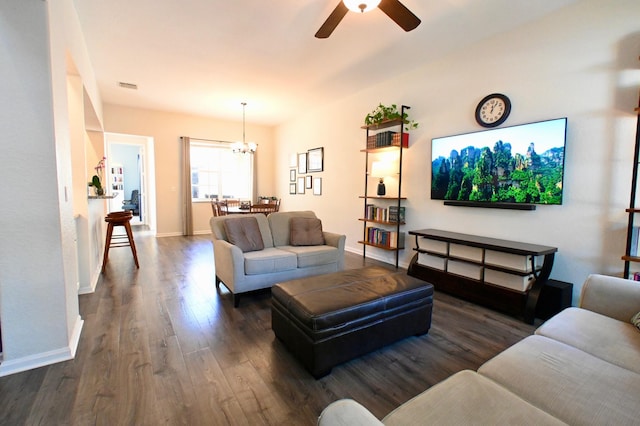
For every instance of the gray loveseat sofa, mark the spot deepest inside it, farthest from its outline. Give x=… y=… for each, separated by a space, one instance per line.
x=270 y=255
x=582 y=367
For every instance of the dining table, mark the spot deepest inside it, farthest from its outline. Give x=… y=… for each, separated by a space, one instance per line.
x=238 y=210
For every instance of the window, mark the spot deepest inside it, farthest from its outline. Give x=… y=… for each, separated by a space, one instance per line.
x=216 y=172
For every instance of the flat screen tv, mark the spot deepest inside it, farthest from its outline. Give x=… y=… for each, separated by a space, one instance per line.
x=506 y=167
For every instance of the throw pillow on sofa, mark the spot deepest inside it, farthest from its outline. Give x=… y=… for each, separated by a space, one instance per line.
x=306 y=231
x=244 y=233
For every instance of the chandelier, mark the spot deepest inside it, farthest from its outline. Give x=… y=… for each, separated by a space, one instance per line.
x=244 y=147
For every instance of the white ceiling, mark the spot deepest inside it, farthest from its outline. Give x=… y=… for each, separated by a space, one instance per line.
x=205 y=57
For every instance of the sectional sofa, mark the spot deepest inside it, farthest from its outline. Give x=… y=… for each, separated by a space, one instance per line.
x=254 y=251
x=581 y=367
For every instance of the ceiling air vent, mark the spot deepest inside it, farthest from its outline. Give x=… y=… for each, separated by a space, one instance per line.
x=128 y=85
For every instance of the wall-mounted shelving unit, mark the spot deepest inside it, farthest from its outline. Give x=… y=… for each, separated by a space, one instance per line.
x=631 y=252
x=383 y=231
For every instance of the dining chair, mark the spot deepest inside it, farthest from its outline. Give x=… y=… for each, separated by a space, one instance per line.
x=133 y=204
x=271 y=201
x=263 y=208
x=215 y=207
x=223 y=208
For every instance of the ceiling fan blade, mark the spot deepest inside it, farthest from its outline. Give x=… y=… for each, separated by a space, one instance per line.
x=400 y=14
x=332 y=21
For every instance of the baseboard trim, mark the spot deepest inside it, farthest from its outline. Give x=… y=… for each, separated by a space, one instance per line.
x=74 y=341
x=401 y=264
x=169 y=234
x=180 y=234
x=91 y=288
x=45 y=358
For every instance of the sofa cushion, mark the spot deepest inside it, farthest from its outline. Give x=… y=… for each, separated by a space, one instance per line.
x=244 y=233
x=347 y=412
x=268 y=260
x=279 y=222
x=313 y=255
x=569 y=384
x=606 y=338
x=468 y=398
x=218 y=231
x=306 y=231
x=614 y=297
x=635 y=320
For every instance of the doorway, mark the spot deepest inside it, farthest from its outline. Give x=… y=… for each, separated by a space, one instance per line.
x=131 y=176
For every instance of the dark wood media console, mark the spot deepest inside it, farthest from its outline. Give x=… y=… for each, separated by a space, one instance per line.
x=465 y=266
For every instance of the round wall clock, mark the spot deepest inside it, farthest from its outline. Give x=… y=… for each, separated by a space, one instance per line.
x=493 y=110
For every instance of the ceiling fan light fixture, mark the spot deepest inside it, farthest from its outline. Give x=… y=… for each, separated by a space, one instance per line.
x=361 y=5
x=394 y=9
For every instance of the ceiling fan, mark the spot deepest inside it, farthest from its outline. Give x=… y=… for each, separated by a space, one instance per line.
x=392 y=8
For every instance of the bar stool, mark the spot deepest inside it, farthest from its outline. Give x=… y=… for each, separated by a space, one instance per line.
x=119 y=219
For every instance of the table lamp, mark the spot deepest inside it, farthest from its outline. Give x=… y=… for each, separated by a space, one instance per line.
x=380 y=170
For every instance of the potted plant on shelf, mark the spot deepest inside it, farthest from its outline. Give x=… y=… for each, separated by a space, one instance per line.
x=96 y=180
x=382 y=115
x=266 y=200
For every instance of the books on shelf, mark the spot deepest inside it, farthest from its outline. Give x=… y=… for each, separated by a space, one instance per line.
x=396 y=140
x=386 y=238
x=390 y=214
x=396 y=214
x=371 y=141
x=375 y=213
x=635 y=234
x=388 y=138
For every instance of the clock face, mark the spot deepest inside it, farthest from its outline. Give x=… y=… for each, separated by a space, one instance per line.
x=493 y=110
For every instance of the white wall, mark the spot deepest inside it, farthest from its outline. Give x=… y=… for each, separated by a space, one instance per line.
x=166 y=129
x=581 y=62
x=91 y=225
x=38 y=266
x=38 y=260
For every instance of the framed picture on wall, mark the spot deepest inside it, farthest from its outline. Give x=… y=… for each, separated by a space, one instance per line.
x=292 y=188
x=302 y=163
x=292 y=175
x=317 y=186
x=308 y=182
x=315 y=160
x=301 y=185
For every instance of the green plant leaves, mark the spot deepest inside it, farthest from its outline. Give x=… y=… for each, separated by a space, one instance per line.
x=384 y=113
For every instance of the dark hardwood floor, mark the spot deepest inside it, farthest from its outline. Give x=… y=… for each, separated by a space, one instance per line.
x=160 y=345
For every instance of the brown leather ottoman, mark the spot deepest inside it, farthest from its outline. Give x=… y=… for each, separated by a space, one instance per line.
x=328 y=319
